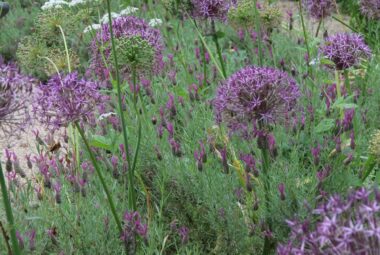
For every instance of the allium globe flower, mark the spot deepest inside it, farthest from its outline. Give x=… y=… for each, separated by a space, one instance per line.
x=64 y=100
x=211 y=9
x=320 y=9
x=14 y=91
x=345 y=50
x=255 y=95
x=138 y=44
x=348 y=225
x=370 y=8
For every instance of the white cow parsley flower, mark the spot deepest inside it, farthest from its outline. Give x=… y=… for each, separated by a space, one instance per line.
x=92 y=27
x=128 y=10
x=155 y=22
x=104 y=19
x=53 y=4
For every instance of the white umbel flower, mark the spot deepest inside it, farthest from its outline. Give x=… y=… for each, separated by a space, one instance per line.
x=155 y=22
x=92 y=27
x=129 y=10
x=53 y=4
x=106 y=115
x=104 y=19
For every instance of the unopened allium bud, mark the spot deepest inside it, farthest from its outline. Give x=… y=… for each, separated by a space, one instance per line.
x=137 y=42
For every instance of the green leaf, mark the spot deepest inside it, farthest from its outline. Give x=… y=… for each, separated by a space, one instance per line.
x=325 y=61
x=101 y=142
x=220 y=34
x=325 y=125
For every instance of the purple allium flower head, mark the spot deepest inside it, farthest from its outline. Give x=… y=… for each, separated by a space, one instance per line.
x=320 y=9
x=64 y=100
x=370 y=8
x=211 y=9
x=14 y=88
x=345 y=50
x=125 y=28
x=347 y=225
x=255 y=95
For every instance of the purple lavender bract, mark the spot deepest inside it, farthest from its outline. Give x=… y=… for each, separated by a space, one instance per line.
x=345 y=50
x=14 y=91
x=211 y=9
x=370 y=8
x=60 y=102
x=320 y=9
x=124 y=27
x=346 y=226
x=255 y=95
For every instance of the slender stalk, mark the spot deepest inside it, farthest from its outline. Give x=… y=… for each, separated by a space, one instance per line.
x=345 y=24
x=131 y=170
x=66 y=48
x=101 y=178
x=204 y=65
x=304 y=35
x=319 y=27
x=268 y=244
x=208 y=49
x=119 y=97
x=218 y=49
x=347 y=81
x=259 y=35
x=6 y=239
x=9 y=214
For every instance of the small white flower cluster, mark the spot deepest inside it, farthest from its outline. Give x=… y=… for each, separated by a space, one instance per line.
x=92 y=27
x=127 y=11
x=155 y=22
x=54 y=4
x=106 y=115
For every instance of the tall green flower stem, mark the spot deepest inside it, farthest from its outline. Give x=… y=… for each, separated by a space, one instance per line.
x=347 y=81
x=268 y=244
x=259 y=35
x=319 y=27
x=218 y=49
x=9 y=214
x=119 y=97
x=101 y=178
x=204 y=65
x=132 y=168
x=305 y=36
